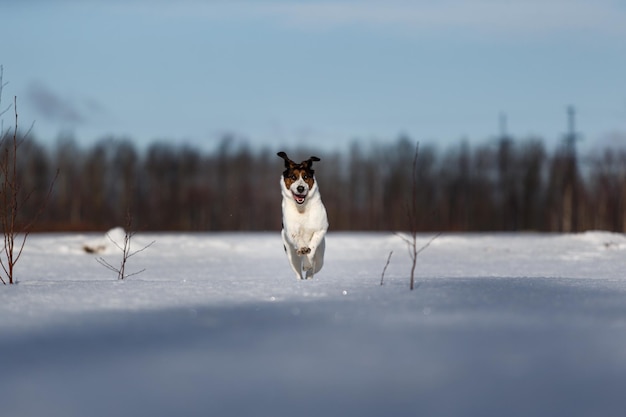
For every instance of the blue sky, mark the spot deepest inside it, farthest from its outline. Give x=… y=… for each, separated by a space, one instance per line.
x=319 y=73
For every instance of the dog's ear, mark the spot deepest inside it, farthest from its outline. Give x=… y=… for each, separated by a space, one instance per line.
x=288 y=162
x=309 y=161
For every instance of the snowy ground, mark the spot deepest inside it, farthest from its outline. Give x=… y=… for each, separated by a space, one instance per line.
x=499 y=325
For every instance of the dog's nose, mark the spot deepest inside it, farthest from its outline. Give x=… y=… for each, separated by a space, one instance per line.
x=300 y=188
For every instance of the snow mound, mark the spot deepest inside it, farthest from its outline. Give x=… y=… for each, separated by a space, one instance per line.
x=112 y=240
x=602 y=239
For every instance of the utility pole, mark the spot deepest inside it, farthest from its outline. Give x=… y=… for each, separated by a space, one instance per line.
x=571 y=193
x=502 y=122
x=571 y=137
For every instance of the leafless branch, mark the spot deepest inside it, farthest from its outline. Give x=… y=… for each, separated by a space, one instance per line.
x=107 y=265
x=135 y=273
x=142 y=249
x=406 y=239
x=432 y=239
x=382 y=276
x=2 y=85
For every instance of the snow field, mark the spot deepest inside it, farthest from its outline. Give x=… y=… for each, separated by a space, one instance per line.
x=499 y=324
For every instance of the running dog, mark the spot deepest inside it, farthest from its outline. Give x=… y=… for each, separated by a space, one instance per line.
x=304 y=217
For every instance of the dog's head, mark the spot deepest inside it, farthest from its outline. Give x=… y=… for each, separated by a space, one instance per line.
x=299 y=179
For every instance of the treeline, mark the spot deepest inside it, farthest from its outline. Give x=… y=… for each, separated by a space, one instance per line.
x=502 y=185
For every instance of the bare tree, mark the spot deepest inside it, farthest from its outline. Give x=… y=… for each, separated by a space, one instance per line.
x=127 y=252
x=15 y=227
x=411 y=241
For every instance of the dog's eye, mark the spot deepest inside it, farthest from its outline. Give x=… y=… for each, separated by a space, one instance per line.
x=293 y=177
x=305 y=177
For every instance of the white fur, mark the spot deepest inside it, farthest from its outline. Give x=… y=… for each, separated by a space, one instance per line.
x=304 y=229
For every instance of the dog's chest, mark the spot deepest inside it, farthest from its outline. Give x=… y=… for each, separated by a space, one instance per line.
x=306 y=222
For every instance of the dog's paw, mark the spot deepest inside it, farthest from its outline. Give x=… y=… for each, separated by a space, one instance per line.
x=304 y=251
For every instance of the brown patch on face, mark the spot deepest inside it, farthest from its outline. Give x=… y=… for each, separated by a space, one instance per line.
x=292 y=175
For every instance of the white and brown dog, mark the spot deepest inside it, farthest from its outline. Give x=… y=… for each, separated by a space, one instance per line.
x=304 y=218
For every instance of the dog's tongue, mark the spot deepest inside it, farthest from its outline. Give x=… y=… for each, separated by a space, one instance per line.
x=299 y=198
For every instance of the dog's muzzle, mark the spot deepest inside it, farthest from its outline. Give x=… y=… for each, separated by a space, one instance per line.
x=299 y=197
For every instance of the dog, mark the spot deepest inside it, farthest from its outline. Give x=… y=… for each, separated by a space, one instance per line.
x=304 y=217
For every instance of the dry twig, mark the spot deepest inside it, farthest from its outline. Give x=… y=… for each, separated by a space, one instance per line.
x=382 y=276
x=126 y=252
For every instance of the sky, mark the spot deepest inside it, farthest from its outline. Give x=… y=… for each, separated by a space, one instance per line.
x=315 y=73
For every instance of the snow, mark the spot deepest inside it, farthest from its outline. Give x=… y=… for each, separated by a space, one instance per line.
x=499 y=325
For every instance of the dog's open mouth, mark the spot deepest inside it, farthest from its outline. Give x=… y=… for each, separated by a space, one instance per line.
x=299 y=197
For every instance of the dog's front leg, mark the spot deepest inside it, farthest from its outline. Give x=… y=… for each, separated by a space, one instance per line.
x=314 y=243
x=304 y=250
x=315 y=254
x=301 y=247
x=292 y=255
